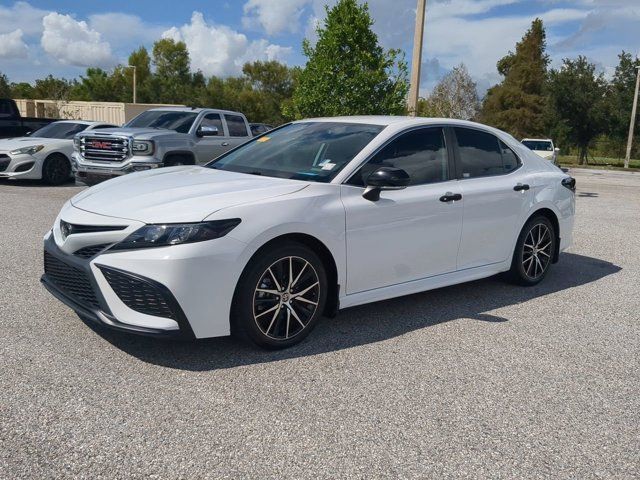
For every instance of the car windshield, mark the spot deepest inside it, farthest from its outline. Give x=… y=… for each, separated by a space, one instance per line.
x=164 y=119
x=539 y=145
x=62 y=130
x=314 y=151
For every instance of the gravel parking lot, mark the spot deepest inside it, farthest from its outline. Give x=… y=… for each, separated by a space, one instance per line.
x=474 y=381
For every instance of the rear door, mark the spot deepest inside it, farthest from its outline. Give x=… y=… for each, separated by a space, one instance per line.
x=238 y=128
x=496 y=196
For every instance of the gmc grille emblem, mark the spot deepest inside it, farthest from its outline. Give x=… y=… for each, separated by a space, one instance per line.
x=100 y=145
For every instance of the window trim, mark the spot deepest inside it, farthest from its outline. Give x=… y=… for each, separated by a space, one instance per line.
x=458 y=161
x=447 y=144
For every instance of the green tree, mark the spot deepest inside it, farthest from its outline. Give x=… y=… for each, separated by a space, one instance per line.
x=21 y=90
x=577 y=95
x=5 y=89
x=51 y=88
x=517 y=104
x=455 y=96
x=348 y=72
x=619 y=100
x=96 y=85
x=172 y=80
x=272 y=84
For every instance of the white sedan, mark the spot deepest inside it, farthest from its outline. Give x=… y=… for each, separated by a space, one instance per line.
x=311 y=217
x=543 y=147
x=45 y=154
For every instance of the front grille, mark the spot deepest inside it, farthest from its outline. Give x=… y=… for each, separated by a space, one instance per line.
x=91 y=250
x=72 y=228
x=105 y=149
x=5 y=160
x=72 y=281
x=142 y=295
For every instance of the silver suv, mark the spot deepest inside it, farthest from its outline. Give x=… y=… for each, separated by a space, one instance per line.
x=160 y=137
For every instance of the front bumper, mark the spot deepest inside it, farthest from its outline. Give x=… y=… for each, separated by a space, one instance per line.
x=24 y=166
x=84 y=169
x=84 y=296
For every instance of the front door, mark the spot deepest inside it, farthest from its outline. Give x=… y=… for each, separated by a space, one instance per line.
x=208 y=148
x=407 y=234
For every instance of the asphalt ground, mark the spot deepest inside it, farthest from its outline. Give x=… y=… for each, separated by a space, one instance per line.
x=482 y=380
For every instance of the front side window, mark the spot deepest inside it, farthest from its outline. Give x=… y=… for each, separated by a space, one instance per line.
x=236 y=125
x=314 y=151
x=213 y=120
x=62 y=130
x=481 y=154
x=421 y=153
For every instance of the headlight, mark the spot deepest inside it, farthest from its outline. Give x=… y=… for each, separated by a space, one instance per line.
x=76 y=143
x=27 y=150
x=142 y=147
x=176 y=234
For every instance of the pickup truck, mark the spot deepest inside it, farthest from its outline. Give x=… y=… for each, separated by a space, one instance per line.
x=159 y=137
x=12 y=124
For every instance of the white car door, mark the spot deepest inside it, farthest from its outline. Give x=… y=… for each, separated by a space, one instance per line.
x=209 y=147
x=496 y=194
x=407 y=234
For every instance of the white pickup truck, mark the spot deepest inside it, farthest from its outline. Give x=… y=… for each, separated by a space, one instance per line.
x=159 y=137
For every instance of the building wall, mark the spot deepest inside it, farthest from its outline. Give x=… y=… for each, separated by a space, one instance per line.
x=112 y=112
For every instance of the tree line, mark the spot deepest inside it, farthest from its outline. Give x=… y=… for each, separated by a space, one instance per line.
x=348 y=73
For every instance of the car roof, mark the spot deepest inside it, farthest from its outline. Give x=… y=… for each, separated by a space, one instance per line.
x=81 y=122
x=189 y=109
x=536 y=140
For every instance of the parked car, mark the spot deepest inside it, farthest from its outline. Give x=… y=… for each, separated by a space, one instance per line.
x=12 y=124
x=259 y=128
x=46 y=153
x=318 y=215
x=159 y=137
x=543 y=147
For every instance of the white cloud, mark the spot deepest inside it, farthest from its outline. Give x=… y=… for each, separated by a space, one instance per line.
x=274 y=16
x=12 y=45
x=21 y=16
x=220 y=50
x=74 y=43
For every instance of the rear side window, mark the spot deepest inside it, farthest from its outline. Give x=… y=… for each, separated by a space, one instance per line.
x=236 y=125
x=421 y=153
x=482 y=154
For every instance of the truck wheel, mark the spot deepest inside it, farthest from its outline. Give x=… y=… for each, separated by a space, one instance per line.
x=177 y=161
x=56 y=169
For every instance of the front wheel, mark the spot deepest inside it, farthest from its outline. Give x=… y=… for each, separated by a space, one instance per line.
x=280 y=296
x=534 y=251
x=56 y=170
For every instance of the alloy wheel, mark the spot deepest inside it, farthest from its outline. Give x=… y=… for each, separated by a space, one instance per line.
x=536 y=251
x=286 y=298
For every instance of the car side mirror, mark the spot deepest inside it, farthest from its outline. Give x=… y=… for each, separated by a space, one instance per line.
x=385 y=178
x=557 y=149
x=207 y=131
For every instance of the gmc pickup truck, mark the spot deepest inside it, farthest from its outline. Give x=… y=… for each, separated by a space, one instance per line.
x=159 y=137
x=12 y=124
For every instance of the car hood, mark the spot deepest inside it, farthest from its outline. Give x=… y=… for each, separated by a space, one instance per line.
x=8 y=144
x=132 y=132
x=179 y=194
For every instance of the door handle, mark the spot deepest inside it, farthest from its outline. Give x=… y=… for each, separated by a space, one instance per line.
x=519 y=187
x=450 y=197
x=225 y=144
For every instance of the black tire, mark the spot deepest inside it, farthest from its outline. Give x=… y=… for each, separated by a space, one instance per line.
x=56 y=169
x=534 y=251
x=176 y=161
x=294 y=312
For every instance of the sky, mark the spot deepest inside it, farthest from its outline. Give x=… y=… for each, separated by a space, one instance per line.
x=64 y=37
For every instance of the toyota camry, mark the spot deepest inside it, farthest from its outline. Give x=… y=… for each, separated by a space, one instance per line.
x=304 y=220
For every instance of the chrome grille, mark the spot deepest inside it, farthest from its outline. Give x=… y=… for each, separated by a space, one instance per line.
x=104 y=148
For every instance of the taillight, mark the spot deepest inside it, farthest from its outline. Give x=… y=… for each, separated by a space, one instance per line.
x=570 y=183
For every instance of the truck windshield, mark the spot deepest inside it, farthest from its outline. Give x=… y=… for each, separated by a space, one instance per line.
x=539 y=145
x=314 y=151
x=62 y=130
x=165 y=119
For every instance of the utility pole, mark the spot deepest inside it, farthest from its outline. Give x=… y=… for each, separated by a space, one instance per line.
x=414 y=88
x=633 y=120
x=134 y=82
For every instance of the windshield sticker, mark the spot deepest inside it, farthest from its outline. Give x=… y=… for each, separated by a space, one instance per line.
x=263 y=139
x=327 y=165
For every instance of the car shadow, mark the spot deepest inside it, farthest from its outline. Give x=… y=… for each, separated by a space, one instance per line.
x=35 y=183
x=368 y=323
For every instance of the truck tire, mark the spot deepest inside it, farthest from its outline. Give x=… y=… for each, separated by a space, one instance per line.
x=177 y=160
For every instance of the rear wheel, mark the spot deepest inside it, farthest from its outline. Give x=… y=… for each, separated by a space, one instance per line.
x=280 y=296
x=534 y=251
x=56 y=170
